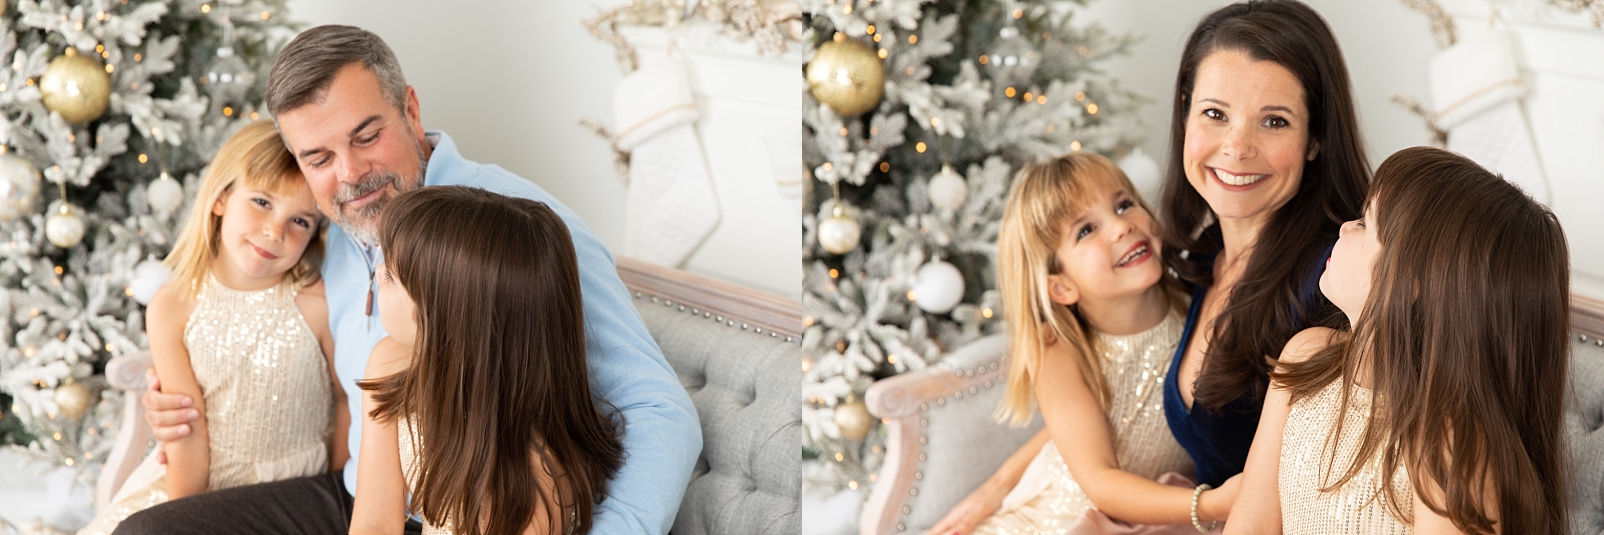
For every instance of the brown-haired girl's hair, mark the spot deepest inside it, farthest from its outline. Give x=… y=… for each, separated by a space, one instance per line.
x=1267 y=305
x=255 y=157
x=1046 y=198
x=1464 y=336
x=498 y=387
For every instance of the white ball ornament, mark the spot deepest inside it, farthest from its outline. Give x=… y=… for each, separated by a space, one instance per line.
x=839 y=234
x=65 y=228
x=73 y=399
x=165 y=194
x=149 y=276
x=939 y=286
x=948 y=190
x=19 y=187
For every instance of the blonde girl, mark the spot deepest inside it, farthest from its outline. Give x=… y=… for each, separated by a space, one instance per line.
x=1439 y=410
x=1094 y=320
x=242 y=328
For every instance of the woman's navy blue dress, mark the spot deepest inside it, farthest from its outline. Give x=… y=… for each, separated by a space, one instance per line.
x=1219 y=441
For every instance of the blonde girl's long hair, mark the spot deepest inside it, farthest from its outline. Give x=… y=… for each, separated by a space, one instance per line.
x=1046 y=197
x=257 y=158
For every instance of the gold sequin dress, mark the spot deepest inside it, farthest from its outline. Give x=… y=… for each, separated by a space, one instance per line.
x=267 y=391
x=1047 y=499
x=1358 y=506
x=408 y=446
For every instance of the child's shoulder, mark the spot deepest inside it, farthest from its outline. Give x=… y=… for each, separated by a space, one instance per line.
x=169 y=307
x=388 y=357
x=1306 y=343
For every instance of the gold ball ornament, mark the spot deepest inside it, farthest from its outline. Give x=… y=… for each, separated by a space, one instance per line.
x=854 y=420
x=839 y=233
x=65 y=228
x=847 y=76
x=76 y=87
x=19 y=187
x=73 y=399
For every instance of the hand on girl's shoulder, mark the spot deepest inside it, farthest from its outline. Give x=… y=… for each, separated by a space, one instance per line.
x=1306 y=343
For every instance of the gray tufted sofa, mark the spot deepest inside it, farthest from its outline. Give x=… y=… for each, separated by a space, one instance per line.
x=736 y=351
x=942 y=442
x=1584 y=417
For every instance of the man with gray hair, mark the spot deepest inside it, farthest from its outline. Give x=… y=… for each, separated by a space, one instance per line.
x=355 y=128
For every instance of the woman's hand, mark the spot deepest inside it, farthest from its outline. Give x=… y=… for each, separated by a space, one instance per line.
x=1215 y=504
x=968 y=513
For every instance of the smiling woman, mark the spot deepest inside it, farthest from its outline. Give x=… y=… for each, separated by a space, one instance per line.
x=1266 y=162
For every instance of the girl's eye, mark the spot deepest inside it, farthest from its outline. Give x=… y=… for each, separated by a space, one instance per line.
x=302 y=222
x=1123 y=205
x=1214 y=113
x=261 y=202
x=1085 y=230
x=1276 y=122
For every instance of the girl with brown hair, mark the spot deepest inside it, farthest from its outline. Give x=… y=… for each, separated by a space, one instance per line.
x=1439 y=410
x=478 y=403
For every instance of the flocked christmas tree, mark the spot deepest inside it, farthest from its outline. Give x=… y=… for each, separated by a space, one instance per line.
x=917 y=115
x=102 y=104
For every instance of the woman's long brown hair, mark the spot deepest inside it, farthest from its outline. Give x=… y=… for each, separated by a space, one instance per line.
x=1267 y=307
x=498 y=387
x=1464 y=337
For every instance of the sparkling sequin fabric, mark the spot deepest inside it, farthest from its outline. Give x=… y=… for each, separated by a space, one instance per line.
x=1047 y=498
x=268 y=399
x=1358 y=506
x=408 y=443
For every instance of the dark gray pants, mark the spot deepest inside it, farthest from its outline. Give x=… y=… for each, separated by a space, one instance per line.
x=308 y=505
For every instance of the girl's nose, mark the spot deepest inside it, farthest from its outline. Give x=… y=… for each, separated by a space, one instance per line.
x=273 y=230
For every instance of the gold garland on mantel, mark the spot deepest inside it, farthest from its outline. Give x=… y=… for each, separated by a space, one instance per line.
x=767 y=23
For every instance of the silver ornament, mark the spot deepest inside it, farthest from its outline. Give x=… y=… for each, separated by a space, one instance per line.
x=938 y=287
x=839 y=234
x=1012 y=61
x=228 y=78
x=65 y=228
x=19 y=187
x=948 y=190
x=165 y=194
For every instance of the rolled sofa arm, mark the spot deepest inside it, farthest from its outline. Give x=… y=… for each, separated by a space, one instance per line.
x=943 y=440
x=125 y=373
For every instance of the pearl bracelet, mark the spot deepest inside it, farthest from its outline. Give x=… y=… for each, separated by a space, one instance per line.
x=1195 y=523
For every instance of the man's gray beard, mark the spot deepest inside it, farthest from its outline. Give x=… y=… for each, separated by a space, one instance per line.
x=363 y=223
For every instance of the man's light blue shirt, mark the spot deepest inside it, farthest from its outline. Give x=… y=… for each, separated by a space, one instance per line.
x=662 y=436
